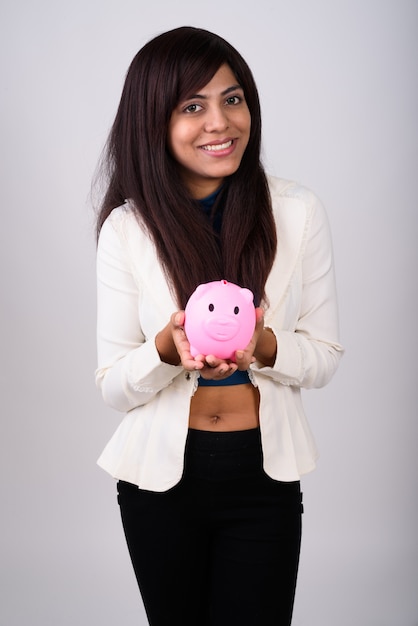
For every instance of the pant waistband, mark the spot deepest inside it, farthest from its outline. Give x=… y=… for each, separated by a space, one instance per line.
x=229 y=441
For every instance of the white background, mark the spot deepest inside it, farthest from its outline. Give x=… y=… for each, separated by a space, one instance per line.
x=338 y=84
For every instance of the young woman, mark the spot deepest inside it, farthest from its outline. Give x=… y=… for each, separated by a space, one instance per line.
x=210 y=452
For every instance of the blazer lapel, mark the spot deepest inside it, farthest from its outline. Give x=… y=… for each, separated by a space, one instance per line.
x=291 y=220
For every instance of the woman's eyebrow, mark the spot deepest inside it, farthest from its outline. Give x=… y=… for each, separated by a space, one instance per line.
x=233 y=88
x=223 y=93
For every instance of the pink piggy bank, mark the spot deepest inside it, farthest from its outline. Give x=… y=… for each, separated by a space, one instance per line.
x=219 y=319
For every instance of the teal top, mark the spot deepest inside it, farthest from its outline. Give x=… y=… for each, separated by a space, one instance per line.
x=237 y=378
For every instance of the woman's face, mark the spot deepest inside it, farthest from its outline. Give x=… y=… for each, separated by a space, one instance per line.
x=209 y=132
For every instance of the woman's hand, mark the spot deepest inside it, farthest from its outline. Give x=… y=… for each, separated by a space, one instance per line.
x=173 y=346
x=245 y=357
x=262 y=347
x=217 y=369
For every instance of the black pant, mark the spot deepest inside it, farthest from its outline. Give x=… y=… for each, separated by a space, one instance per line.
x=221 y=548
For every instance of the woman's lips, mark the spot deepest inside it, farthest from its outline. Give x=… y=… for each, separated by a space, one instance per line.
x=218 y=147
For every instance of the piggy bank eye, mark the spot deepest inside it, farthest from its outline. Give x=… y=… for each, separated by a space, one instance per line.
x=236 y=310
x=211 y=308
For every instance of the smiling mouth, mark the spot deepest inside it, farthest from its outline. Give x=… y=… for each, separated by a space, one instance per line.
x=218 y=147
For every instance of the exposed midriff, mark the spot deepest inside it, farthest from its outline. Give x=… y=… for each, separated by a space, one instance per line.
x=234 y=407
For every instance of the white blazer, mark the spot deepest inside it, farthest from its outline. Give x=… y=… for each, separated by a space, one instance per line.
x=134 y=303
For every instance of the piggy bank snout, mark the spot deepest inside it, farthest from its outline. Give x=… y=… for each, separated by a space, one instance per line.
x=221 y=327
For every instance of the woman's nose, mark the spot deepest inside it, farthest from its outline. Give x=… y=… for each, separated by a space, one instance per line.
x=216 y=120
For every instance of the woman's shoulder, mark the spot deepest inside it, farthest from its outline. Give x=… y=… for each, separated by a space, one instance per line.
x=124 y=221
x=296 y=208
x=281 y=188
x=121 y=215
x=122 y=228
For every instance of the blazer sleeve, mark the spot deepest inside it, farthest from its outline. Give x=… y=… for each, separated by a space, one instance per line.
x=308 y=356
x=130 y=372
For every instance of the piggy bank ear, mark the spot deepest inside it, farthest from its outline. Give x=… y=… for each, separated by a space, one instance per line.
x=247 y=295
x=201 y=290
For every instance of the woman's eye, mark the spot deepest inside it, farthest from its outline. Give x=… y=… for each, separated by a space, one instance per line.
x=192 y=108
x=233 y=100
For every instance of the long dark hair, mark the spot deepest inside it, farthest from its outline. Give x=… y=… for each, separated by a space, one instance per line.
x=139 y=166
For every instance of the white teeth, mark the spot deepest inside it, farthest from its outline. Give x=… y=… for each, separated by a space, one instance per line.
x=219 y=146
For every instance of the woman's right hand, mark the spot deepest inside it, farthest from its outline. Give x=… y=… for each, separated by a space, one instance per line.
x=173 y=346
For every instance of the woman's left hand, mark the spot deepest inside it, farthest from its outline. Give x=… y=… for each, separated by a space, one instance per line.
x=245 y=357
x=262 y=347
